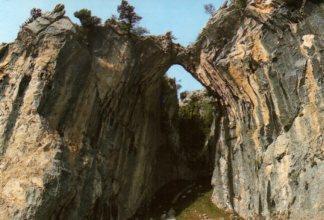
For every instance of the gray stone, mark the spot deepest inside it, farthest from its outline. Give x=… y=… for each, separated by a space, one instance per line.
x=269 y=138
x=38 y=25
x=89 y=126
x=85 y=131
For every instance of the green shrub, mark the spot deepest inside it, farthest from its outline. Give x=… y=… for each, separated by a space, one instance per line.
x=127 y=15
x=241 y=3
x=129 y=19
x=34 y=14
x=111 y=21
x=140 y=31
x=210 y=9
x=195 y=119
x=86 y=19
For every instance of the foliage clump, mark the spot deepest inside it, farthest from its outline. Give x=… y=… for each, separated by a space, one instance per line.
x=86 y=18
x=240 y=3
x=210 y=9
x=34 y=14
x=140 y=31
x=170 y=36
x=128 y=19
x=112 y=21
x=195 y=118
x=197 y=111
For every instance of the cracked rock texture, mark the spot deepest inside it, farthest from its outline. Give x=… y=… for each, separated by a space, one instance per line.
x=86 y=121
x=265 y=63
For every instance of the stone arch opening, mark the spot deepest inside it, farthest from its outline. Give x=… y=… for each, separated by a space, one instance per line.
x=183 y=79
x=196 y=122
x=196 y=115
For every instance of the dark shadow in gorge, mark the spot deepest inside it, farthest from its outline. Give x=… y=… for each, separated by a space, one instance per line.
x=197 y=115
x=180 y=197
x=174 y=195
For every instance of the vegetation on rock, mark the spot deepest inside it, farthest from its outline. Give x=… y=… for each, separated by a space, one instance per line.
x=202 y=208
x=210 y=9
x=86 y=19
x=129 y=19
x=140 y=31
x=198 y=110
x=241 y=3
x=195 y=119
x=34 y=14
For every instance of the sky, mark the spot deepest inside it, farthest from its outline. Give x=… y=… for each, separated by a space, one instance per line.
x=185 y=18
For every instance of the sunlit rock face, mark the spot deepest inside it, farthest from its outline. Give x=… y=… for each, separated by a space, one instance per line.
x=86 y=121
x=89 y=123
x=265 y=64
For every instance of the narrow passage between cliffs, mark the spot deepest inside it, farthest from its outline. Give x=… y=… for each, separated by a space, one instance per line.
x=189 y=196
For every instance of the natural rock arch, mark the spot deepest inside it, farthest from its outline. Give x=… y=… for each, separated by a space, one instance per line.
x=91 y=126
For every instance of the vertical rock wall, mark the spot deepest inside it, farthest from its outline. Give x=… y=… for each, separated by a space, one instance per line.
x=87 y=118
x=86 y=122
x=265 y=63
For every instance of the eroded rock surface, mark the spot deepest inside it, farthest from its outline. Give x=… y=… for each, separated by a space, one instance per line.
x=86 y=121
x=265 y=62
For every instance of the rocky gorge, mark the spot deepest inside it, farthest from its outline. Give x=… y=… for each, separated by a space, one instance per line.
x=91 y=127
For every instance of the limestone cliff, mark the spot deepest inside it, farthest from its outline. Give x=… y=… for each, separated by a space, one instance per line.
x=86 y=121
x=265 y=63
x=89 y=125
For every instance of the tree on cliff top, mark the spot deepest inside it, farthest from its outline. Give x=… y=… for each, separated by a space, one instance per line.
x=86 y=19
x=34 y=14
x=210 y=9
x=129 y=19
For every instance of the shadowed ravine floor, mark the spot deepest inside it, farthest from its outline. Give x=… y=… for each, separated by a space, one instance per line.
x=183 y=200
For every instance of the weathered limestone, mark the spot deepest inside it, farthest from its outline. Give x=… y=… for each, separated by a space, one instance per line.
x=86 y=121
x=265 y=62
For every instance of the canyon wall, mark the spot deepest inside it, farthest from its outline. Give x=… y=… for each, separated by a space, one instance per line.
x=265 y=64
x=86 y=121
x=89 y=122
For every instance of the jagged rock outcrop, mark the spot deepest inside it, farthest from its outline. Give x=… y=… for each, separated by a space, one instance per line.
x=86 y=121
x=265 y=63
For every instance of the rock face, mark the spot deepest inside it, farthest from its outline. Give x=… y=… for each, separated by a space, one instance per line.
x=265 y=63
x=86 y=121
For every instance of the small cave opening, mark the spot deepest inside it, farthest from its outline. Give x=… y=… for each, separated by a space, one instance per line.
x=189 y=195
